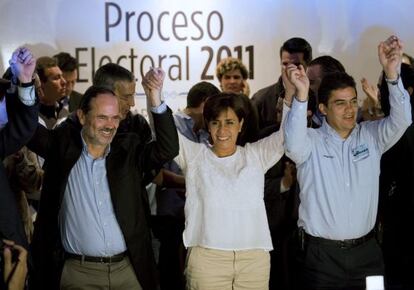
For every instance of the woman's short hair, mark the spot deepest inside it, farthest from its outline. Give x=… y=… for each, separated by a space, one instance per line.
x=229 y=64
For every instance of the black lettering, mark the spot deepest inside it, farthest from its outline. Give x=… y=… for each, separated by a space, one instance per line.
x=193 y=20
x=175 y=25
x=177 y=66
x=187 y=62
x=160 y=59
x=159 y=25
x=238 y=50
x=132 y=56
x=151 y=25
x=118 y=19
x=121 y=58
x=128 y=15
x=250 y=50
x=142 y=71
x=220 y=52
x=105 y=57
x=93 y=61
x=204 y=75
x=80 y=64
x=209 y=25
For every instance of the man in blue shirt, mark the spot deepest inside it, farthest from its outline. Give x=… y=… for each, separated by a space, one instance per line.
x=92 y=211
x=338 y=169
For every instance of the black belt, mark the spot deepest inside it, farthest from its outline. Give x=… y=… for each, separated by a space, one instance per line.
x=349 y=243
x=108 y=260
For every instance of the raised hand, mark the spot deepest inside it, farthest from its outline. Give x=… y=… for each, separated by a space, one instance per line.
x=290 y=88
x=371 y=91
x=23 y=64
x=390 y=56
x=152 y=84
x=297 y=76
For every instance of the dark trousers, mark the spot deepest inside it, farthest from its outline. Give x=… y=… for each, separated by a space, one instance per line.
x=328 y=266
x=169 y=231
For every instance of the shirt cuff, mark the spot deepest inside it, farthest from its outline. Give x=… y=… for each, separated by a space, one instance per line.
x=397 y=90
x=160 y=109
x=301 y=105
x=27 y=95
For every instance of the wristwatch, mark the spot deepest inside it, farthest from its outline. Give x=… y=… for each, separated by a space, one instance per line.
x=393 y=82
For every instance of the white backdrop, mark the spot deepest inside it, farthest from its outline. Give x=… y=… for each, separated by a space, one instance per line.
x=184 y=35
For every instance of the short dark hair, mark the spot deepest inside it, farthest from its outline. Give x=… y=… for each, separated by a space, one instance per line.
x=229 y=64
x=91 y=93
x=222 y=102
x=328 y=64
x=199 y=93
x=111 y=73
x=214 y=106
x=297 y=45
x=332 y=82
x=66 y=62
x=42 y=64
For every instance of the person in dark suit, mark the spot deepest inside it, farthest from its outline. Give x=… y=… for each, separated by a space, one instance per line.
x=91 y=209
x=22 y=119
x=69 y=67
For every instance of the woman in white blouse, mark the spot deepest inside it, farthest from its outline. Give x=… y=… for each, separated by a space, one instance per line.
x=226 y=228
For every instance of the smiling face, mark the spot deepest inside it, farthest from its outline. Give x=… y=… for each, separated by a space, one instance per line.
x=341 y=110
x=100 y=123
x=224 y=131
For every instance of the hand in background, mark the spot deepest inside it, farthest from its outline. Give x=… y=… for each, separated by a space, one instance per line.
x=152 y=84
x=390 y=54
x=297 y=76
x=23 y=64
x=14 y=271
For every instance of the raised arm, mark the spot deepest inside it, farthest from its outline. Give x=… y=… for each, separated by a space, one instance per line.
x=22 y=106
x=391 y=128
x=295 y=128
x=165 y=147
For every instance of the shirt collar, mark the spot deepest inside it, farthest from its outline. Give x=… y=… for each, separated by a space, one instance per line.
x=326 y=128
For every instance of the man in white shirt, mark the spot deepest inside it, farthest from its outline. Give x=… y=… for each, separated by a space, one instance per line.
x=338 y=169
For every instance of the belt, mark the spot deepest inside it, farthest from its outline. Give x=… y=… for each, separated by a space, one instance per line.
x=111 y=259
x=343 y=244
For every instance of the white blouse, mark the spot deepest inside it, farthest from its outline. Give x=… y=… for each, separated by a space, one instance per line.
x=224 y=206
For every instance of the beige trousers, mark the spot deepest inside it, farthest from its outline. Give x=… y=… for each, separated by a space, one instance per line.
x=79 y=275
x=209 y=269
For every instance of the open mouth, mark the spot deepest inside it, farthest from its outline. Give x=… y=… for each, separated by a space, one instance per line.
x=107 y=132
x=222 y=138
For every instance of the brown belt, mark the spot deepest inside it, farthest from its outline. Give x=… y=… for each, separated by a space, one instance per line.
x=106 y=260
x=349 y=243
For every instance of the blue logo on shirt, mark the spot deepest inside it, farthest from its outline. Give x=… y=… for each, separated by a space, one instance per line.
x=360 y=152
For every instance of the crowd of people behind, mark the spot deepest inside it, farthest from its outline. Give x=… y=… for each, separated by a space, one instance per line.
x=296 y=187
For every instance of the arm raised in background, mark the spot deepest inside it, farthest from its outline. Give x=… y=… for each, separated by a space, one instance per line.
x=22 y=108
x=165 y=147
x=297 y=142
x=390 y=129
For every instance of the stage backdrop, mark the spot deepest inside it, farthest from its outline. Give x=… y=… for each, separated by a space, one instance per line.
x=187 y=38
